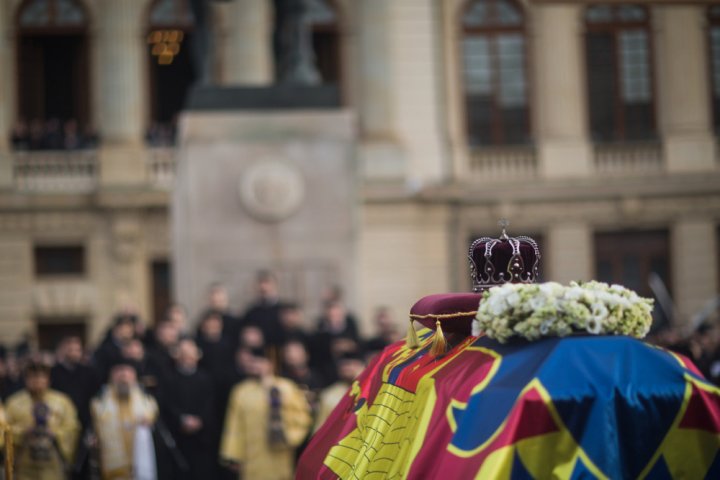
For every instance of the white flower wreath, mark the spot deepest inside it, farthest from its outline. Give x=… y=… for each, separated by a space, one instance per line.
x=550 y=309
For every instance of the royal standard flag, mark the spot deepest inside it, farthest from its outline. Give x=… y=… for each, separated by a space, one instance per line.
x=577 y=407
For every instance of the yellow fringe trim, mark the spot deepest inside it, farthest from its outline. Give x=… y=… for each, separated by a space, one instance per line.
x=411 y=340
x=439 y=344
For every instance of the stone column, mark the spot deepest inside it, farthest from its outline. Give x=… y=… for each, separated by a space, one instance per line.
x=379 y=154
x=7 y=99
x=560 y=117
x=694 y=265
x=569 y=253
x=247 y=50
x=414 y=49
x=682 y=96
x=119 y=64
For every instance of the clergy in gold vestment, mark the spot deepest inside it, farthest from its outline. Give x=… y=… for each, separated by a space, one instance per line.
x=122 y=416
x=45 y=427
x=267 y=418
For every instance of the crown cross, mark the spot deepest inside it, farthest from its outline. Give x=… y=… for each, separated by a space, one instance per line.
x=504 y=223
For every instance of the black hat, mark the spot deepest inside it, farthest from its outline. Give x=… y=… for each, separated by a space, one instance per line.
x=122 y=318
x=36 y=365
x=258 y=352
x=122 y=361
x=351 y=355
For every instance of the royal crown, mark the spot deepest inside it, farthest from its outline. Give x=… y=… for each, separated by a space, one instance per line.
x=495 y=261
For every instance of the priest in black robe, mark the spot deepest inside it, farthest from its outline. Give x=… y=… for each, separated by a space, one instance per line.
x=264 y=312
x=71 y=376
x=189 y=413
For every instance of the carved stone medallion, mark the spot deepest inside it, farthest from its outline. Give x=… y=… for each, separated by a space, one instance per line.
x=271 y=190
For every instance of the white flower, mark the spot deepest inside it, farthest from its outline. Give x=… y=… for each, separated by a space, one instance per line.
x=551 y=289
x=574 y=293
x=545 y=327
x=513 y=299
x=533 y=311
x=496 y=305
x=598 y=310
x=594 y=326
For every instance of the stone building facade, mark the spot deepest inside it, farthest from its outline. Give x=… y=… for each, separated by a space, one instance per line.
x=466 y=112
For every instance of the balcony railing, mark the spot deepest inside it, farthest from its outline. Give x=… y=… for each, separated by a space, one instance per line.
x=51 y=171
x=503 y=163
x=78 y=171
x=521 y=163
x=628 y=159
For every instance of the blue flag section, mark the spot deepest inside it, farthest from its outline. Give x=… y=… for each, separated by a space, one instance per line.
x=575 y=407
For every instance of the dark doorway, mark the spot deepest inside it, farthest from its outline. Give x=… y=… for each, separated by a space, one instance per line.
x=53 y=70
x=171 y=69
x=53 y=77
x=170 y=83
x=51 y=330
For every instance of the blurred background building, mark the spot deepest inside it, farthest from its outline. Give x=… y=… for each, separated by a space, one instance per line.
x=592 y=127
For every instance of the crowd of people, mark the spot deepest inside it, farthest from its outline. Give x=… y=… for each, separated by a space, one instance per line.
x=237 y=395
x=162 y=134
x=52 y=134
x=702 y=346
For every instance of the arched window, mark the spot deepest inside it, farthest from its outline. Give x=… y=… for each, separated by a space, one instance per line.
x=495 y=73
x=53 y=69
x=44 y=14
x=619 y=73
x=171 y=72
x=714 y=34
x=171 y=14
x=324 y=22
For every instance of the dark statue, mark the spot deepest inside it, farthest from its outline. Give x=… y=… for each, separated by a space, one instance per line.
x=202 y=47
x=292 y=44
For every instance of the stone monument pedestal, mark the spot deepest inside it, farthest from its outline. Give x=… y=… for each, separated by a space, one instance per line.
x=262 y=189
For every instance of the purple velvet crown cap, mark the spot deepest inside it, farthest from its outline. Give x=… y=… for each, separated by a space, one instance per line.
x=454 y=311
x=495 y=261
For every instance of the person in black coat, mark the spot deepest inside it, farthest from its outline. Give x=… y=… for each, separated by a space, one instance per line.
x=109 y=351
x=291 y=321
x=217 y=360
x=149 y=376
x=218 y=302
x=160 y=356
x=189 y=413
x=74 y=378
x=264 y=312
x=217 y=351
x=333 y=337
x=79 y=382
